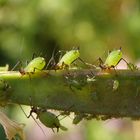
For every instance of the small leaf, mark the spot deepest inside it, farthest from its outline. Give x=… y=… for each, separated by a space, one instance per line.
x=11 y=128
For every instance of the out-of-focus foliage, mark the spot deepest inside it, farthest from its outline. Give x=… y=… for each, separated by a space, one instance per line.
x=34 y=26
x=37 y=26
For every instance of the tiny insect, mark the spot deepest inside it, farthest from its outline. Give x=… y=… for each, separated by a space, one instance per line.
x=47 y=118
x=35 y=65
x=78 y=117
x=112 y=60
x=68 y=58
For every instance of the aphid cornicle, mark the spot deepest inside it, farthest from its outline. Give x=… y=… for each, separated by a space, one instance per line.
x=68 y=58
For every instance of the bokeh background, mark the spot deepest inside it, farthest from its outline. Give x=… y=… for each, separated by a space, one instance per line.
x=28 y=27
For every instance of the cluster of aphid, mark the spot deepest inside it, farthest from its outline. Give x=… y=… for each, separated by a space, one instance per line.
x=37 y=64
x=65 y=62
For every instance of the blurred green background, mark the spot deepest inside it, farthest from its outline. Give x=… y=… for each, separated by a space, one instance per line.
x=37 y=26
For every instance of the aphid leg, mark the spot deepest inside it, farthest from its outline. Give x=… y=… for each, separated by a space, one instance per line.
x=23 y=111
x=34 y=56
x=57 y=129
x=85 y=63
x=66 y=113
x=27 y=62
x=36 y=69
x=101 y=64
x=100 y=60
x=64 y=66
x=109 y=52
x=127 y=63
x=53 y=130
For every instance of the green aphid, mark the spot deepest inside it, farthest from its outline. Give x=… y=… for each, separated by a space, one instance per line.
x=78 y=117
x=47 y=118
x=113 y=60
x=50 y=120
x=37 y=64
x=68 y=58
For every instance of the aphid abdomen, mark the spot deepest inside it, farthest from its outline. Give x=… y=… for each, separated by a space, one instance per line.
x=69 y=58
x=35 y=65
x=113 y=58
x=49 y=119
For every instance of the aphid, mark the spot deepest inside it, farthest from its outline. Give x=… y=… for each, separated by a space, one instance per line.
x=78 y=118
x=115 y=85
x=47 y=118
x=50 y=120
x=37 y=64
x=68 y=58
x=112 y=60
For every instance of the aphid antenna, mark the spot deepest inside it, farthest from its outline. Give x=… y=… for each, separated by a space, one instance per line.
x=85 y=63
x=100 y=61
x=34 y=56
x=53 y=130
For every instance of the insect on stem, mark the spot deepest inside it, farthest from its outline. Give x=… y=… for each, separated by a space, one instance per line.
x=28 y=116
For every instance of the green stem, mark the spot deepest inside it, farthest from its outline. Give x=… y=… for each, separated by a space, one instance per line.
x=82 y=91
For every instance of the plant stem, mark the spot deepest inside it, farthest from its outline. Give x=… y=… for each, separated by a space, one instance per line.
x=82 y=91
